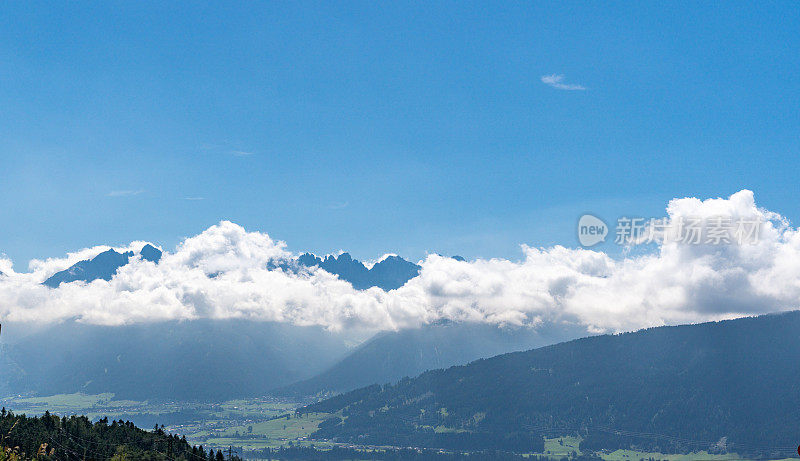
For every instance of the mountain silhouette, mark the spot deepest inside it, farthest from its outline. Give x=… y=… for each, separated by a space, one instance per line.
x=103 y=266
x=150 y=253
x=390 y=273
x=389 y=356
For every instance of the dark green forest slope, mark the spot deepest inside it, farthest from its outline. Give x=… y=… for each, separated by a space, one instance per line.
x=725 y=386
x=50 y=437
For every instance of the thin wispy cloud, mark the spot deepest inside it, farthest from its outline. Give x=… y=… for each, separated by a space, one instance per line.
x=241 y=153
x=338 y=205
x=194 y=198
x=124 y=193
x=557 y=81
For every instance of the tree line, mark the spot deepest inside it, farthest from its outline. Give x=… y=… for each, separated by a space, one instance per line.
x=76 y=438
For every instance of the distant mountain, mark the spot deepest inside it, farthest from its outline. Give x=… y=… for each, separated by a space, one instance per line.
x=390 y=356
x=393 y=272
x=210 y=360
x=727 y=386
x=102 y=266
x=8 y=368
x=388 y=274
x=150 y=253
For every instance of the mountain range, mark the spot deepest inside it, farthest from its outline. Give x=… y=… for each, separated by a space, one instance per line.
x=731 y=386
x=243 y=358
x=390 y=356
x=239 y=358
x=388 y=274
x=208 y=360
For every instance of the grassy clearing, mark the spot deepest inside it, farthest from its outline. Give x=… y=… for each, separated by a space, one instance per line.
x=78 y=401
x=105 y=405
x=559 y=447
x=94 y=406
x=562 y=446
x=273 y=433
x=290 y=427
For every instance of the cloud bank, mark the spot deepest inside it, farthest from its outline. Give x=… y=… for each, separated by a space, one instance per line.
x=228 y=272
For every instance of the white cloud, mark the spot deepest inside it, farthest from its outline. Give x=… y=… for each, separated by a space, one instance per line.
x=223 y=273
x=557 y=81
x=241 y=153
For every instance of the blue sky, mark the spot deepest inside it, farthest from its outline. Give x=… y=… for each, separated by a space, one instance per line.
x=385 y=127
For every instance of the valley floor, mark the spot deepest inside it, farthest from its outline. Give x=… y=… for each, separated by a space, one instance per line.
x=250 y=425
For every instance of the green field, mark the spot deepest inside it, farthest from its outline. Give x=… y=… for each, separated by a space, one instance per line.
x=210 y=424
x=105 y=405
x=93 y=406
x=63 y=401
x=561 y=446
x=255 y=435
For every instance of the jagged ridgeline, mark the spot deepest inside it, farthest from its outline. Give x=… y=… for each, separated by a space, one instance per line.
x=241 y=358
x=389 y=273
x=102 y=266
x=50 y=437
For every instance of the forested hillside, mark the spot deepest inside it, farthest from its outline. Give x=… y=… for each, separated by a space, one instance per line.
x=725 y=386
x=50 y=437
